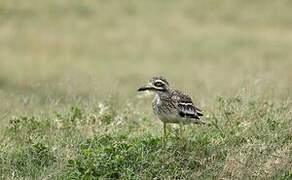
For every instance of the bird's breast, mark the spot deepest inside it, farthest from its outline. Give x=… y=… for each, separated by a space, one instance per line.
x=164 y=109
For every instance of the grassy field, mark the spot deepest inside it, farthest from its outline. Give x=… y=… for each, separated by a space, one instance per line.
x=69 y=71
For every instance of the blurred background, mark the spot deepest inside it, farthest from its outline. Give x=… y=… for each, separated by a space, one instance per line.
x=57 y=53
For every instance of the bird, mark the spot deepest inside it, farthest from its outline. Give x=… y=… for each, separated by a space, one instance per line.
x=171 y=105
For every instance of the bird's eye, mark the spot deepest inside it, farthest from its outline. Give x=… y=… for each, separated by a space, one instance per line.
x=158 y=84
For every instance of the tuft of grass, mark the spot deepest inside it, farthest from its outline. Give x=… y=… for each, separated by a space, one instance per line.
x=118 y=156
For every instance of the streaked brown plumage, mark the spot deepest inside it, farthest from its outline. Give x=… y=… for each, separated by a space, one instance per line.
x=170 y=105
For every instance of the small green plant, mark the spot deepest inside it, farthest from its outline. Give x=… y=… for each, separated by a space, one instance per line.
x=23 y=129
x=29 y=160
x=120 y=156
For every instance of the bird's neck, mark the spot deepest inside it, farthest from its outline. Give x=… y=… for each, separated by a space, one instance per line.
x=162 y=94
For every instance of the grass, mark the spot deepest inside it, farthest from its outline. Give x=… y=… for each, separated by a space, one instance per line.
x=70 y=69
x=246 y=138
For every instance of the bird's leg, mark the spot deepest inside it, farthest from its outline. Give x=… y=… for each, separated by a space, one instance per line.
x=165 y=133
x=182 y=136
x=164 y=129
x=181 y=130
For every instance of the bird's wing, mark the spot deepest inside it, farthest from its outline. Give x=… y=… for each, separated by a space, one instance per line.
x=185 y=105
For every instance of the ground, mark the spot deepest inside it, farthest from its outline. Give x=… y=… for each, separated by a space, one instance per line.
x=69 y=71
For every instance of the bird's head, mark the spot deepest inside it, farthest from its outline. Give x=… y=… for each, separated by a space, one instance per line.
x=156 y=84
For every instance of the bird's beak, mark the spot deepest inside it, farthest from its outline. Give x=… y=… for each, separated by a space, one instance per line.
x=145 y=88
